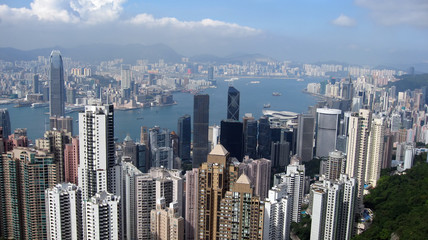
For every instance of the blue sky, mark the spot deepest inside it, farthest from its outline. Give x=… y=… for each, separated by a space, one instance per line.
x=359 y=31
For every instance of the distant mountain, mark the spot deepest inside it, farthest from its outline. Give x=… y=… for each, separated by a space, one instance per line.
x=235 y=58
x=98 y=52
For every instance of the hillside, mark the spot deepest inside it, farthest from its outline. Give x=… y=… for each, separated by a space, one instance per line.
x=410 y=82
x=400 y=204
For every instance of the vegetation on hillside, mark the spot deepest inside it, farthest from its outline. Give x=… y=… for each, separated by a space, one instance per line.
x=410 y=82
x=400 y=204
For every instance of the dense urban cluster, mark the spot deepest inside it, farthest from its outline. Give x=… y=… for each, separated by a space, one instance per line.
x=243 y=179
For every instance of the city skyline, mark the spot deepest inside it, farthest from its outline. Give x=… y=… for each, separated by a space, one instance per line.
x=360 y=31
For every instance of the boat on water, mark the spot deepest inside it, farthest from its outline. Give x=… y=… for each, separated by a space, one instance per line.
x=300 y=79
x=22 y=104
x=231 y=79
x=267 y=105
x=255 y=82
x=276 y=94
x=39 y=105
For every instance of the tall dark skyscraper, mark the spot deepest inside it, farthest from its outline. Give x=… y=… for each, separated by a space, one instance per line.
x=233 y=104
x=250 y=138
x=56 y=85
x=184 y=137
x=5 y=122
x=305 y=137
x=201 y=104
x=264 y=138
x=210 y=73
x=35 y=83
x=231 y=137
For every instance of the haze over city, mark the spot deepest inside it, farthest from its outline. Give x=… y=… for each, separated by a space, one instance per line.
x=358 y=32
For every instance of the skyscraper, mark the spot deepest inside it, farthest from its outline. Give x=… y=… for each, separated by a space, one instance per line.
x=56 y=85
x=35 y=83
x=264 y=139
x=210 y=73
x=233 y=103
x=96 y=147
x=359 y=129
x=5 y=122
x=160 y=146
x=184 y=137
x=305 y=137
x=201 y=104
x=327 y=130
x=231 y=137
x=125 y=74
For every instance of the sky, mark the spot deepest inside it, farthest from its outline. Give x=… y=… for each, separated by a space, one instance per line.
x=373 y=32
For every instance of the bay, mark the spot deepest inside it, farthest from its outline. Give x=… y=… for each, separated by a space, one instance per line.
x=252 y=98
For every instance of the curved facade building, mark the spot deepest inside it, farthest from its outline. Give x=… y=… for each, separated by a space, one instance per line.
x=328 y=121
x=56 y=85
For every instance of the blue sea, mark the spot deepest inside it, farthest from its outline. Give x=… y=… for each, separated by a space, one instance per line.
x=252 y=98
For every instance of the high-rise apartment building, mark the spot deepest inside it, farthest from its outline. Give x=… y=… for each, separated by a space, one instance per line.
x=166 y=222
x=201 y=104
x=333 y=209
x=56 y=85
x=102 y=216
x=359 y=129
x=25 y=176
x=215 y=178
x=71 y=161
x=259 y=173
x=277 y=216
x=335 y=165
x=54 y=142
x=233 y=103
x=184 y=132
x=375 y=152
x=192 y=195
x=240 y=214
x=294 y=179
x=64 y=212
x=305 y=137
x=96 y=150
x=327 y=130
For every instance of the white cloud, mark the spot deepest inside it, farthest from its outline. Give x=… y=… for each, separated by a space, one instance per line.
x=66 y=11
x=148 y=20
x=394 y=12
x=344 y=21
